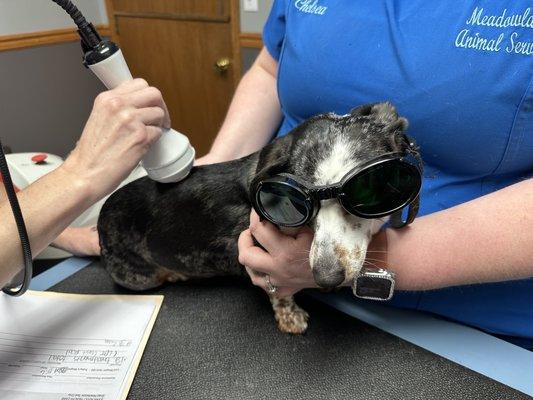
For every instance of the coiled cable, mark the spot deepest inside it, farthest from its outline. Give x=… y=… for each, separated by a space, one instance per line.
x=89 y=40
x=19 y=288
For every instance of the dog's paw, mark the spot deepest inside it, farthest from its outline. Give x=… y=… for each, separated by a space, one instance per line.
x=167 y=275
x=292 y=320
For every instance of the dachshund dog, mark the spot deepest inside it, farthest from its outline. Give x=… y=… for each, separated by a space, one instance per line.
x=152 y=233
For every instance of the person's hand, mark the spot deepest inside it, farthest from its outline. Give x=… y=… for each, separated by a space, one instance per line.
x=286 y=259
x=82 y=241
x=123 y=124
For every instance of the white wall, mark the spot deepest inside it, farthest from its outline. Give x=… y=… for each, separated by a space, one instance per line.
x=252 y=22
x=45 y=98
x=49 y=94
x=23 y=16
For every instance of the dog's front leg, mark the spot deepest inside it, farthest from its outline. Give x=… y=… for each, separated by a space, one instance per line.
x=290 y=317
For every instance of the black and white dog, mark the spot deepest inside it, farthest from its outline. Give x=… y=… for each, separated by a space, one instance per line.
x=153 y=233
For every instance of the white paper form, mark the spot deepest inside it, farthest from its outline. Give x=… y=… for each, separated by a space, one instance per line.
x=56 y=346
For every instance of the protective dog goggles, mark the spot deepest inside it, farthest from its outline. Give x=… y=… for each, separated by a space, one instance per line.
x=383 y=186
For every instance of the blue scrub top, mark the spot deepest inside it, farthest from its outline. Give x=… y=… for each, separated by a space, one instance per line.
x=461 y=72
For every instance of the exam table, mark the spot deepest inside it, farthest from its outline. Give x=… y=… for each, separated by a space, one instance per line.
x=217 y=339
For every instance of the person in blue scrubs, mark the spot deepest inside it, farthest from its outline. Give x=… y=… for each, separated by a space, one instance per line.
x=462 y=74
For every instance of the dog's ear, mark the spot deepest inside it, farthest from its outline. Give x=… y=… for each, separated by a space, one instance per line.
x=276 y=167
x=273 y=159
x=383 y=113
x=363 y=110
x=386 y=114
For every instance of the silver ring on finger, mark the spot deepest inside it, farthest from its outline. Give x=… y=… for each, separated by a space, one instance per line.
x=270 y=287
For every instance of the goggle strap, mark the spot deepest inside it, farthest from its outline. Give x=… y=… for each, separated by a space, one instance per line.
x=396 y=219
x=413 y=149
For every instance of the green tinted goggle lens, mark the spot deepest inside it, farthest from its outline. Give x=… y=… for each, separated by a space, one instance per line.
x=283 y=203
x=381 y=188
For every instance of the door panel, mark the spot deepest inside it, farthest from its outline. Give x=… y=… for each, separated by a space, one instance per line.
x=208 y=8
x=178 y=57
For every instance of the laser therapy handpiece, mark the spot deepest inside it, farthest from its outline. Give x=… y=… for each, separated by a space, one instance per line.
x=170 y=158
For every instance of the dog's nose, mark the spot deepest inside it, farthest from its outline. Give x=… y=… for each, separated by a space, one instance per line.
x=329 y=275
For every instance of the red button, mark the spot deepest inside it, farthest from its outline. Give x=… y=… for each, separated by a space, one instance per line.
x=39 y=158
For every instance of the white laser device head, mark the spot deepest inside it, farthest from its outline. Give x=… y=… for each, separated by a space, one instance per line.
x=171 y=158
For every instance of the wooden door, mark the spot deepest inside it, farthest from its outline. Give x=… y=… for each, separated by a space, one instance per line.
x=175 y=45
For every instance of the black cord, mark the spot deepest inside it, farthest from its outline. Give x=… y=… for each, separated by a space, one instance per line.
x=20 y=288
x=90 y=38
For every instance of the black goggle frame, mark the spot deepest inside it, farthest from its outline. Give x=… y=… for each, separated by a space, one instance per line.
x=312 y=195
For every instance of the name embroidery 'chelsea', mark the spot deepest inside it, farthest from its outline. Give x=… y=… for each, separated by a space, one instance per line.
x=310 y=7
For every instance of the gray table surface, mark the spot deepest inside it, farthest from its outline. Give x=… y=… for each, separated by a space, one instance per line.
x=217 y=339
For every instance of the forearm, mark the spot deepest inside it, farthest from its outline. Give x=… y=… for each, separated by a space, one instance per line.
x=254 y=113
x=124 y=122
x=488 y=239
x=43 y=217
x=3 y=195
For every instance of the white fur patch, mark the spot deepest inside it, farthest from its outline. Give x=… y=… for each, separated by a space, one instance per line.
x=336 y=231
x=337 y=164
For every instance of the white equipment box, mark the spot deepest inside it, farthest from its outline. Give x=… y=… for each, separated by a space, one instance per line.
x=26 y=168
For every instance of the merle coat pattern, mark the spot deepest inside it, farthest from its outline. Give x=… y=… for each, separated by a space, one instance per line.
x=152 y=233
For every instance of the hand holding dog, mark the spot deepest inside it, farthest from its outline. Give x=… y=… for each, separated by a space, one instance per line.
x=285 y=258
x=80 y=241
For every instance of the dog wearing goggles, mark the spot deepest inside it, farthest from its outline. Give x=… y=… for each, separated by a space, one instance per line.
x=344 y=176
